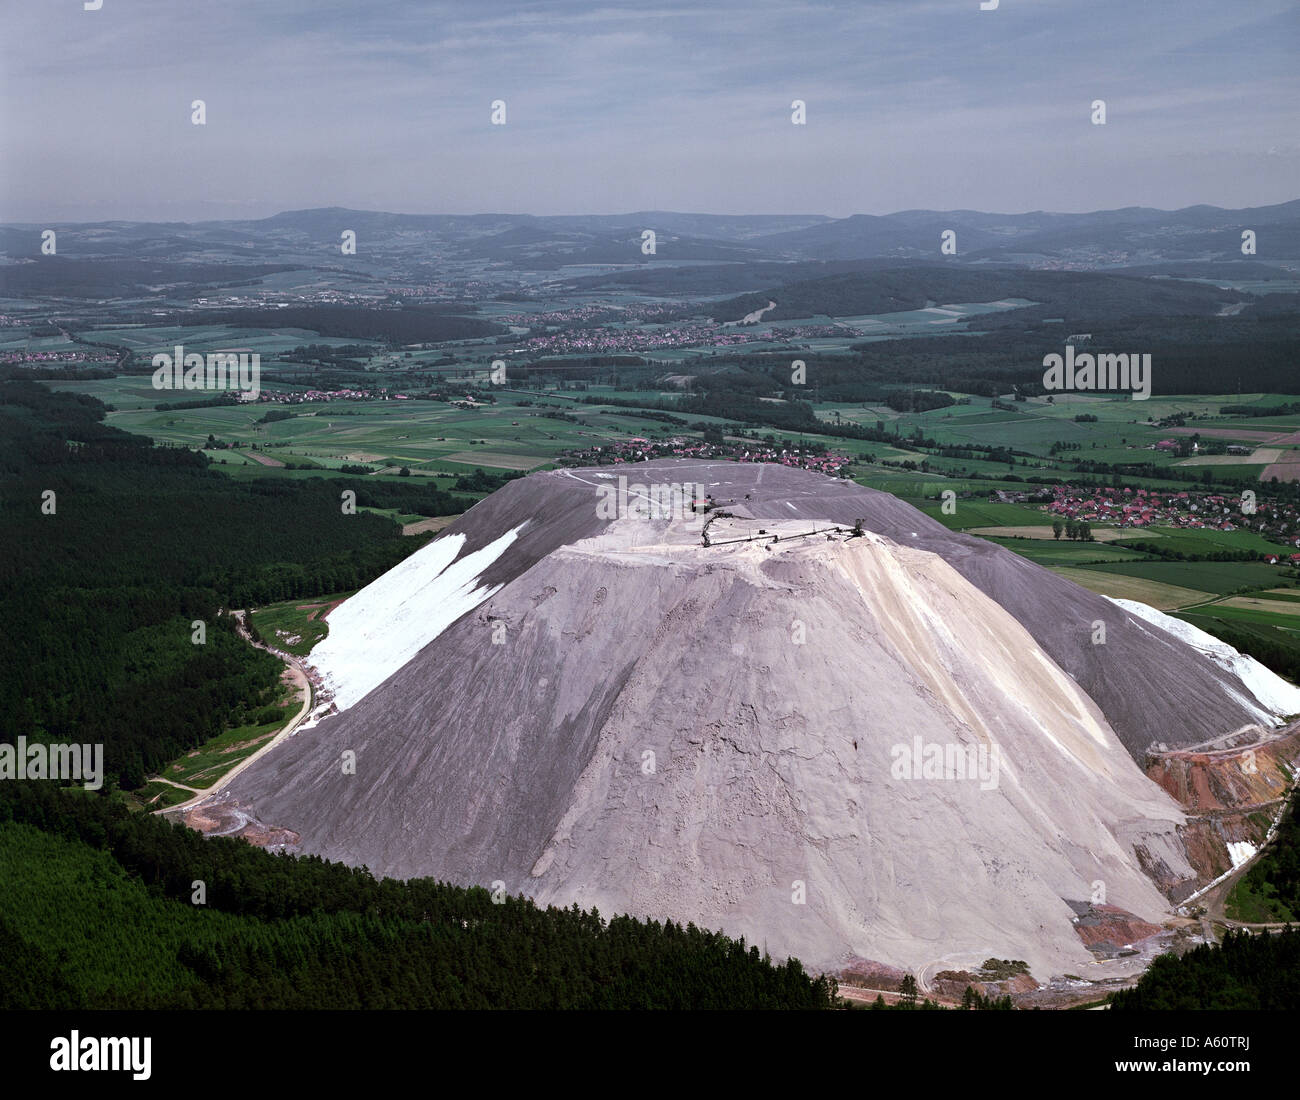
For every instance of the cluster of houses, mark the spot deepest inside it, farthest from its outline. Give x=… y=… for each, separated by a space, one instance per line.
x=1176 y=446
x=636 y=449
x=13 y=358
x=1130 y=507
x=299 y=397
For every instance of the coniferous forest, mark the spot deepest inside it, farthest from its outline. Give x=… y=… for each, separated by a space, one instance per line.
x=101 y=585
x=1250 y=972
x=99 y=912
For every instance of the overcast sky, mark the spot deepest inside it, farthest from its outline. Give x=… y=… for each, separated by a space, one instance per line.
x=615 y=107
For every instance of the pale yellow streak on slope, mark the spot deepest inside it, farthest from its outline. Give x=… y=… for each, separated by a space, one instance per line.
x=918 y=598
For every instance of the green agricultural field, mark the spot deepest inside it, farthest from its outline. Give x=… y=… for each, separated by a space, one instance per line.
x=1104 y=580
x=21 y=340
x=1261 y=424
x=148 y=341
x=235 y=468
x=392 y=513
x=1282 y=595
x=983 y=513
x=433 y=436
x=417 y=434
x=1123 y=431
x=921 y=488
x=1067 y=553
x=1184 y=540
x=1240 y=472
x=126 y=392
x=883 y=452
x=1237 y=615
x=1276 y=646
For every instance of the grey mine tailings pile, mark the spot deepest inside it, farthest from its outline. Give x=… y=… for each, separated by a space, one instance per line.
x=901 y=744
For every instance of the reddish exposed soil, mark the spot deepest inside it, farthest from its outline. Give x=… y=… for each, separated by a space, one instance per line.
x=1110 y=925
x=316 y=609
x=265 y=460
x=228 y=819
x=1287 y=468
x=1233 y=779
x=1230 y=795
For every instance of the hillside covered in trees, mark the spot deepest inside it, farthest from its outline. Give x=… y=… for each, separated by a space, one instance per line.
x=1189 y=355
x=1077 y=294
x=99 y=911
x=396 y=326
x=102 y=580
x=1244 y=972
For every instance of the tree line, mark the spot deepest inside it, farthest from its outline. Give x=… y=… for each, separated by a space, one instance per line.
x=112 y=548
x=277 y=932
x=1244 y=973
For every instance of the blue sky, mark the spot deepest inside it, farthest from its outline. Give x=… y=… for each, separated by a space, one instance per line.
x=618 y=107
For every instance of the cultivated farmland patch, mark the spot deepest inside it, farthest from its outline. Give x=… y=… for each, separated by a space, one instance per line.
x=500 y=461
x=1157 y=595
x=1099 y=534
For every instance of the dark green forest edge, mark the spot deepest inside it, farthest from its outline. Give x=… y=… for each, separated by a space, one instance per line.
x=96 y=908
x=100 y=596
x=1245 y=972
x=98 y=913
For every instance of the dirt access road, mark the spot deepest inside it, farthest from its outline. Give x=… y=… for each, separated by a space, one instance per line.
x=308 y=698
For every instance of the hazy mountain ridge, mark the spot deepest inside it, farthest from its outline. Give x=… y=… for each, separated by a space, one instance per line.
x=1103 y=238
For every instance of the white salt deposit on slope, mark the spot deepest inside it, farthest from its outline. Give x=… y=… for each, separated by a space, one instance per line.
x=1275 y=696
x=1241 y=851
x=774 y=765
x=374 y=633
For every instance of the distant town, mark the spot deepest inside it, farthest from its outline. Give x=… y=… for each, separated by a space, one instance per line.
x=642 y=450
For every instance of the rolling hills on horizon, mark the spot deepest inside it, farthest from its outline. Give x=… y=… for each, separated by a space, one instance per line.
x=1106 y=238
